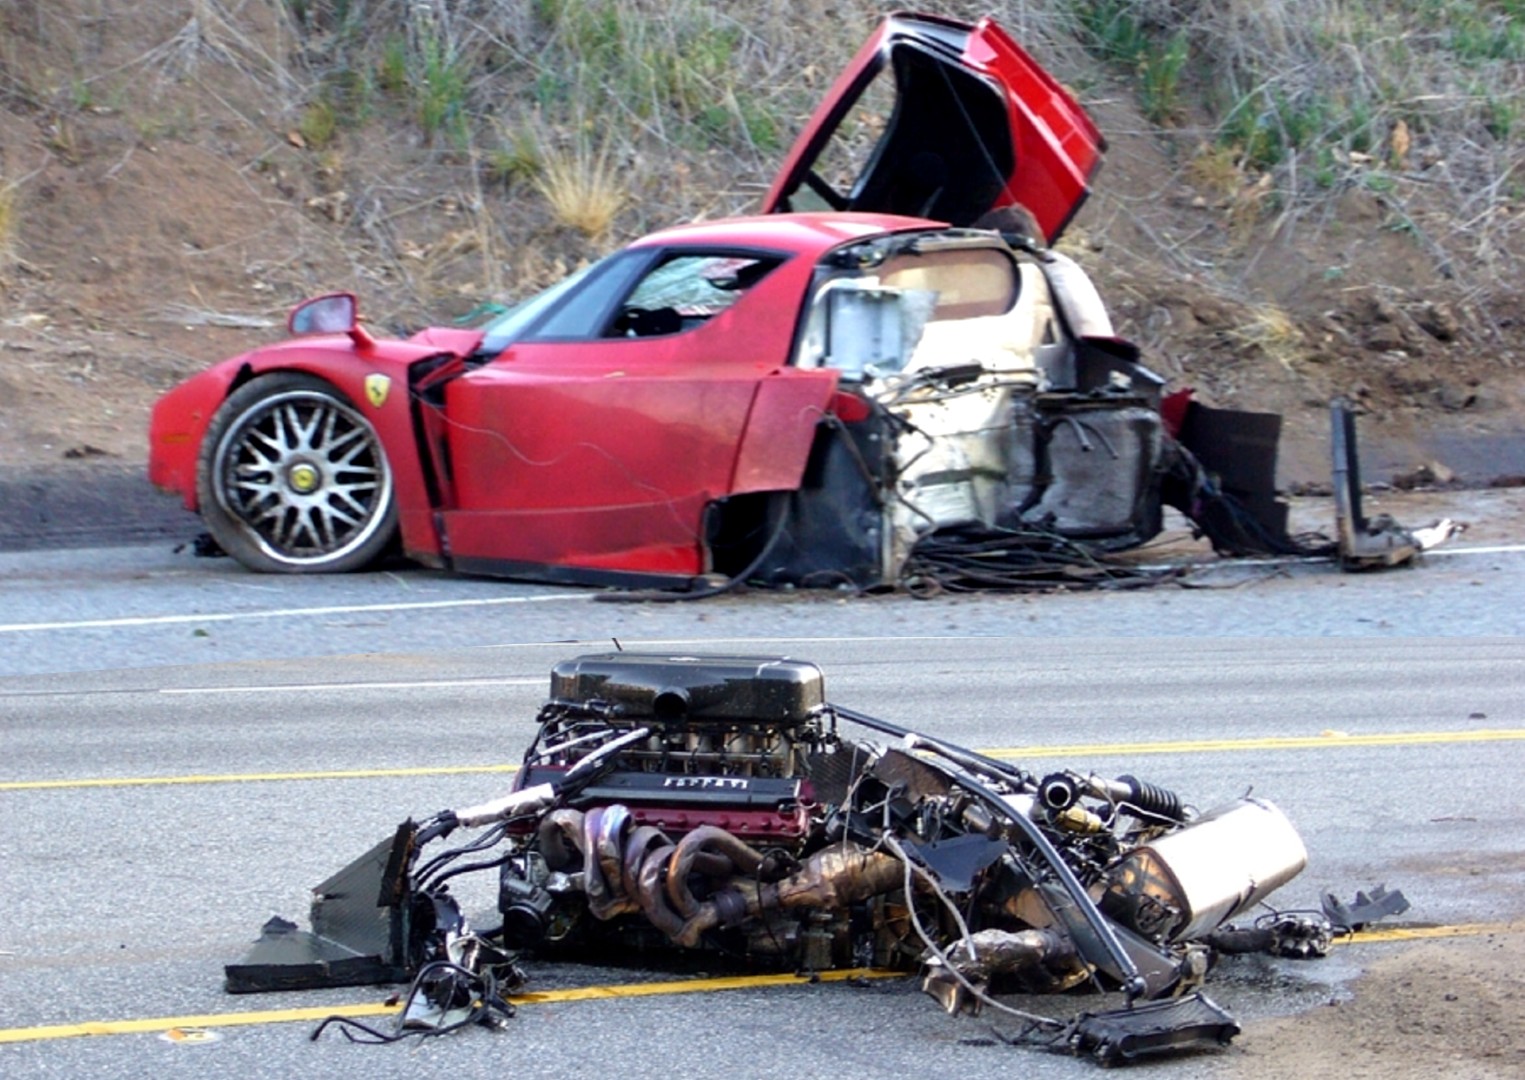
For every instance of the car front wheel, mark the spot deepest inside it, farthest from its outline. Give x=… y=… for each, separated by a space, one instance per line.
x=292 y=478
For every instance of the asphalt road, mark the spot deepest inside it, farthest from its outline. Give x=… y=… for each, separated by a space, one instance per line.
x=165 y=720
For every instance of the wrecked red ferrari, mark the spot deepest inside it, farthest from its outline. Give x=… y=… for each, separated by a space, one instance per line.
x=888 y=365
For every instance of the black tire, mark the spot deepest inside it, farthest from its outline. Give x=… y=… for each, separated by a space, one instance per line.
x=293 y=479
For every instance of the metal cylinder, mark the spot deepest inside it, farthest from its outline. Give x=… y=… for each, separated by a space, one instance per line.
x=1152 y=799
x=1058 y=791
x=1189 y=881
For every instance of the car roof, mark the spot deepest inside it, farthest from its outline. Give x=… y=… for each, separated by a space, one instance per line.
x=810 y=234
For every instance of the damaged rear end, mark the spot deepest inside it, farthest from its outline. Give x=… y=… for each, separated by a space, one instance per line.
x=989 y=429
x=983 y=398
x=993 y=431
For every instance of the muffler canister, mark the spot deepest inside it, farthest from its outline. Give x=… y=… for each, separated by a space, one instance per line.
x=1190 y=881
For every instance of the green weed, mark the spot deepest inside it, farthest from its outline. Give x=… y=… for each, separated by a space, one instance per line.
x=1502 y=116
x=1112 y=31
x=318 y=124
x=760 y=127
x=1159 y=72
x=326 y=14
x=347 y=92
x=10 y=221
x=1326 y=168
x=1478 y=36
x=677 y=75
x=517 y=157
x=392 y=69
x=1115 y=31
x=439 y=91
x=1251 y=128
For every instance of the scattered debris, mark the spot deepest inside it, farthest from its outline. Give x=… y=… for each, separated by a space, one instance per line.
x=189 y=1036
x=85 y=450
x=1367 y=544
x=1366 y=908
x=717 y=805
x=1428 y=475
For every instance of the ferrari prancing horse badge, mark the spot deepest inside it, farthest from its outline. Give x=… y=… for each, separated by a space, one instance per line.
x=376 y=389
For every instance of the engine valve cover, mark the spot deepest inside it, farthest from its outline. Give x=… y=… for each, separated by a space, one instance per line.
x=729 y=688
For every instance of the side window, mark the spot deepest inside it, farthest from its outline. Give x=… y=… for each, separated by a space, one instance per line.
x=583 y=312
x=682 y=291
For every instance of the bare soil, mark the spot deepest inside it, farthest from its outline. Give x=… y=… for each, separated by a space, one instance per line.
x=167 y=213
x=1451 y=1007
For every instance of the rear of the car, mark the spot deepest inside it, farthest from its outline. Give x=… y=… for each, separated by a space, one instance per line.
x=968 y=401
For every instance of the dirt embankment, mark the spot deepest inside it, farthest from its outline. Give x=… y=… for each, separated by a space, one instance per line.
x=176 y=174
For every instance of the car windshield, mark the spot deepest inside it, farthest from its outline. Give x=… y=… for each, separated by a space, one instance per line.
x=511 y=325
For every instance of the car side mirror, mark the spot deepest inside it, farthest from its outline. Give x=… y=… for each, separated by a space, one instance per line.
x=334 y=313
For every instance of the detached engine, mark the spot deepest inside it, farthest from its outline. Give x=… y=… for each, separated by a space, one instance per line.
x=716 y=803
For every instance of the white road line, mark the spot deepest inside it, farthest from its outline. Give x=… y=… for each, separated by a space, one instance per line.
x=1494 y=549
x=287 y=688
x=286 y=613
x=1254 y=562
x=705 y=642
x=500 y=601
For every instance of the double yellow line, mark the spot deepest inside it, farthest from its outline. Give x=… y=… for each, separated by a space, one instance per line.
x=315 y=1014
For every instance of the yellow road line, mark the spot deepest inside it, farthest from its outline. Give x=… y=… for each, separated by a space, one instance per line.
x=254 y=778
x=1330 y=741
x=318 y=1013
x=696 y=986
x=1421 y=933
x=322 y=1012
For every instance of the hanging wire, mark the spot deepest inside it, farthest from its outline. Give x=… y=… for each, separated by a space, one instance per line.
x=487 y=1005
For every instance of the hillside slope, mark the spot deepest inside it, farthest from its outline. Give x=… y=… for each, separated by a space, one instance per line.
x=175 y=173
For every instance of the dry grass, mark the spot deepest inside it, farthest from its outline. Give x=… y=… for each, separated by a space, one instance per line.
x=1274 y=333
x=696 y=102
x=1215 y=169
x=583 y=186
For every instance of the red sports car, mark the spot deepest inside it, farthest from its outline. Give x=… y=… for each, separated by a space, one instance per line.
x=887 y=352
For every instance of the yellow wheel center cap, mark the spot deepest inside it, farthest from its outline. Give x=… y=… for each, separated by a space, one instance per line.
x=303 y=478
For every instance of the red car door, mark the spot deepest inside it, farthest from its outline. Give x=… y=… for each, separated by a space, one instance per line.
x=941 y=119
x=602 y=452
